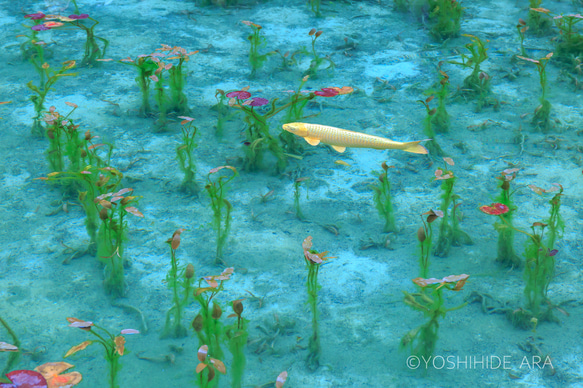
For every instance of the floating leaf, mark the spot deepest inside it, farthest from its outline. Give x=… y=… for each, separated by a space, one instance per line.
x=134 y=211
x=219 y=365
x=202 y=353
x=51 y=371
x=495 y=209
x=455 y=278
x=449 y=161
x=93 y=146
x=77 y=348
x=25 y=379
x=119 y=344
x=281 y=379
x=201 y=290
x=85 y=325
x=130 y=331
x=211 y=282
x=123 y=191
x=426 y=282
x=175 y=240
x=200 y=367
x=6 y=347
x=536 y=189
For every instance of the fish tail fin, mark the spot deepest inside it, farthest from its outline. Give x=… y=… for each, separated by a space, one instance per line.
x=415 y=147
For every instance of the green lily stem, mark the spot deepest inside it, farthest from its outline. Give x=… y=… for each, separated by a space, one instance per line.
x=14 y=356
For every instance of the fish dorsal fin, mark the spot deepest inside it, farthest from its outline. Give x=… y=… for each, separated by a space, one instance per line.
x=339 y=149
x=312 y=140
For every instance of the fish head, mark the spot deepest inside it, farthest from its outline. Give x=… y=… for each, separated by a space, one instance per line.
x=296 y=128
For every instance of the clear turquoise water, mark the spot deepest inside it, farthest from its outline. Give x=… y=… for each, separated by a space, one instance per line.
x=389 y=59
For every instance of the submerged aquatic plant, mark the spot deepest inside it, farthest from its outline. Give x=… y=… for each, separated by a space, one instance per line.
x=570 y=44
x=313 y=261
x=315 y=6
x=70 y=150
x=432 y=146
x=538 y=271
x=179 y=280
x=113 y=345
x=111 y=236
x=297 y=183
x=539 y=21
x=49 y=375
x=217 y=190
x=207 y=368
x=450 y=233
x=521 y=28
x=477 y=84
x=177 y=101
x=222 y=109
x=431 y=302
x=257 y=41
x=425 y=238
x=33 y=48
x=446 y=15
x=542 y=113
x=237 y=335
x=93 y=50
x=13 y=348
x=207 y=325
x=317 y=60
x=106 y=224
x=383 y=200
x=258 y=138
x=146 y=68
x=48 y=78
x=440 y=120
x=505 y=251
x=555 y=222
x=184 y=155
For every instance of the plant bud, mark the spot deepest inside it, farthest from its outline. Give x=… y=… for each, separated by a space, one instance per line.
x=189 y=273
x=319 y=33
x=431 y=218
x=217 y=312
x=198 y=323
x=87 y=135
x=51 y=134
x=421 y=234
x=103 y=214
x=505 y=185
x=238 y=307
x=312 y=32
x=83 y=153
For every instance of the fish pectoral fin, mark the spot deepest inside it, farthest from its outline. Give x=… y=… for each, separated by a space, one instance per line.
x=312 y=140
x=339 y=149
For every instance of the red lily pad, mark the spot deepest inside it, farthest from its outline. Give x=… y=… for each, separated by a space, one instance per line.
x=326 y=92
x=239 y=94
x=25 y=379
x=495 y=209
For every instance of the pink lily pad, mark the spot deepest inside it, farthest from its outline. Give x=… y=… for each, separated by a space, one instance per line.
x=25 y=379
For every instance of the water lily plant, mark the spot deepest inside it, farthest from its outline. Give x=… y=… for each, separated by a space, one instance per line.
x=113 y=345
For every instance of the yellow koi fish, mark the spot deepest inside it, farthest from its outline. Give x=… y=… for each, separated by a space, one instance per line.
x=339 y=139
